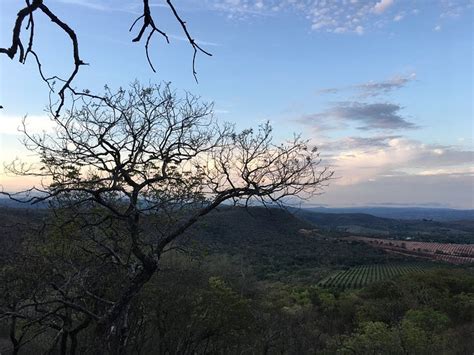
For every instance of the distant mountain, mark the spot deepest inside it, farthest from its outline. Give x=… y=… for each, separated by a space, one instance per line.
x=437 y=214
x=411 y=213
x=8 y=203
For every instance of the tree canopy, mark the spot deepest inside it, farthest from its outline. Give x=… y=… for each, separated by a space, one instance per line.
x=129 y=172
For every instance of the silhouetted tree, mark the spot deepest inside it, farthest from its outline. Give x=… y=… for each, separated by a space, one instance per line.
x=126 y=174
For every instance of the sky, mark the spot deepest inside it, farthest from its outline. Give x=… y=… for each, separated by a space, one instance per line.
x=384 y=88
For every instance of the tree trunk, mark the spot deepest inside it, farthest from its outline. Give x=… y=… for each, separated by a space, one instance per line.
x=73 y=349
x=14 y=341
x=63 y=345
x=111 y=333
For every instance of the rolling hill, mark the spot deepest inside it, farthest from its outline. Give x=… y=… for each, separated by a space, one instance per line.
x=368 y=225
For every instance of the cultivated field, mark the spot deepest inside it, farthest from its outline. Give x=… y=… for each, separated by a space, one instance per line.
x=360 y=276
x=451 y=253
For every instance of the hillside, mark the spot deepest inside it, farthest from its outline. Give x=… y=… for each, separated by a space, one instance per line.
x=274 y=242
x=15 y=224
x=372 y=226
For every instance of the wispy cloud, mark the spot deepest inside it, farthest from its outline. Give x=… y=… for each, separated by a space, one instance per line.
x=241 y=9
x=105 y=5
x=455 y=8
x=91 y=4
x=335 y=16
x=382 y=6
x=374 y=88
x=366 y=116
x=357 y=143
x=399 y=17
x=198 y=41
x=132 y=8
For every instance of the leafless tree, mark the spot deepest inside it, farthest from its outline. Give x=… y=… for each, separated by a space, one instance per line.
x=21 y=48
x=134 y=170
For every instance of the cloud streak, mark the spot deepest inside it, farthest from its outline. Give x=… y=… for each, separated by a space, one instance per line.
x=374 y=88
x=365 y=116
x=358 y=143
x=104 y=5
x=198 y=41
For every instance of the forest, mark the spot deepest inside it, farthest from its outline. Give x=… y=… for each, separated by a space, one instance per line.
x=259 y=287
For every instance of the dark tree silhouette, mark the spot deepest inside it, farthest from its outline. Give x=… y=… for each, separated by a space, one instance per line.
x=25 y=22
x=132 y=171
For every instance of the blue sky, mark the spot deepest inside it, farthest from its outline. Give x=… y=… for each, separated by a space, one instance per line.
x=383 y=87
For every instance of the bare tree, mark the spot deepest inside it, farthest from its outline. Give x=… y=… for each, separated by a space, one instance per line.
x=134 y=170
x=23 y=47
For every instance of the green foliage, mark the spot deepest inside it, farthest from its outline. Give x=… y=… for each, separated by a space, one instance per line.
x=222 y=302
x=363 y=275
x=272 y=244
x=371 y=338
x=423 y=331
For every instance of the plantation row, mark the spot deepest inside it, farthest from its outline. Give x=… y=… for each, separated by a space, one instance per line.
x=452 y=253
x=360 y=276
x=453 y=259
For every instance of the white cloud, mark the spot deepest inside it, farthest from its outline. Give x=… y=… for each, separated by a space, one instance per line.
x=34 y=123
x=334 y=16
x=398 y=17
x=359 y=160
x=468 y=171
x=382 y=5
x=455 y=8
x=359 y=30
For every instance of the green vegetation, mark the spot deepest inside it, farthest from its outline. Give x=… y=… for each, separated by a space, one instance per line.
x=251 y=288
x=199 y=307
x=271 y=243
x=363 y=275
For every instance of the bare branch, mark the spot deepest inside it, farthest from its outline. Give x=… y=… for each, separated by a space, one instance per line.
x=130 y=171
x=33 y=6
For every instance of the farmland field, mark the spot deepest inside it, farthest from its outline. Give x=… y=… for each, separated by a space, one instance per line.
x=447 y=252
x=363 y=275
